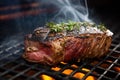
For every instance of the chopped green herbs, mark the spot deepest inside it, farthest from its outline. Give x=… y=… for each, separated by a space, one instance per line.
x=102 y=27
x=71 y=25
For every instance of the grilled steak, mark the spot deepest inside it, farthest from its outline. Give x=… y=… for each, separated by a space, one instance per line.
x=53 y=45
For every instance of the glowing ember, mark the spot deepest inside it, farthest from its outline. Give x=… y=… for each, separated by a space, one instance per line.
x=63 y=63
x=116 y=68
x=79 y=75
x=55 y=68
x=46 y=77
x=90 y=78
x=109 y=61
x=74 y=66
x=84 y=69
x=67 y=71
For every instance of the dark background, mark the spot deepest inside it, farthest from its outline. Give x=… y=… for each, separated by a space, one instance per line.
x=108 y=11
x=104 y=11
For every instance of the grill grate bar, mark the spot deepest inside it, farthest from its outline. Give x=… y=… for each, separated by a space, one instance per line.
x=78 y=68
x=8 y=70
x=108 y=68
x=94 y=68
x=20 y=73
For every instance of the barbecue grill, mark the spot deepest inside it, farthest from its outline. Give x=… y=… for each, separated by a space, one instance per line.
x=14 y=67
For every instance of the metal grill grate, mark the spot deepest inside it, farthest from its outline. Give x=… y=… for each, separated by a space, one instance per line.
x=14 y=67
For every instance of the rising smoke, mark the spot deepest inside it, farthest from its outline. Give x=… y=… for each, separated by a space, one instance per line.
x=75 y=10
